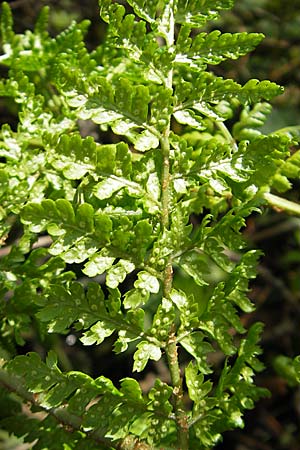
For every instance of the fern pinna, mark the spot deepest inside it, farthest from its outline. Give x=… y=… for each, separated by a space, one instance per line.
x=120 y=213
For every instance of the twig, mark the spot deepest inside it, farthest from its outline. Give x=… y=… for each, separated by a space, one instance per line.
x=282 y=204
x=43 y=241
x=275 y=230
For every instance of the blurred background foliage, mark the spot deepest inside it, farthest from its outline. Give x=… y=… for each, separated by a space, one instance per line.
x=275 y=422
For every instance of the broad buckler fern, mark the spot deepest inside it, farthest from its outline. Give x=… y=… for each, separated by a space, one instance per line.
x=138 y=240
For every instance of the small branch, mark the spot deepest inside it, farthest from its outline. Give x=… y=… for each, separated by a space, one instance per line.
x=279 y=285
x=282 y=204
x=43 y=241
x=272 y=231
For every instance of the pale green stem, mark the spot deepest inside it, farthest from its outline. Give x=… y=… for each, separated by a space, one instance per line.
x=165 y=184
x=180 y=413
x=226 y=133
x=282 y=204
x=171 y=347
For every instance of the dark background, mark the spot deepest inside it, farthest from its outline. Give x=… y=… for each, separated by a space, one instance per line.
x=274 y=423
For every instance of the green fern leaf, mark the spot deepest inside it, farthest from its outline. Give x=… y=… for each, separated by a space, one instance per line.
x=196 y=13
x=6 y=26
x=145 y=9
x=207 y=90
x=250 y=121
x=214 y=47
x=105 y=106
x=127 y=213
x=145 y=351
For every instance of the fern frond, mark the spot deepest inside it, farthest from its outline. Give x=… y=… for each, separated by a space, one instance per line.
x=28 y=52
x=290 y=169
x=41 y=25
x=97 y=316
x=136 y=43
x=66 y=226
x=145 y=9
x=207 y=90
x=123 y=212
x=66 y=397
x=6 y=26
x=122 y=105
x=250 y=121
x=221 y=308
x=214 y=47
x=224 y=412
x=196 y=13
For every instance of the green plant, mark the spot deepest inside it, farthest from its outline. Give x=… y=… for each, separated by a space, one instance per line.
x=124 y=209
